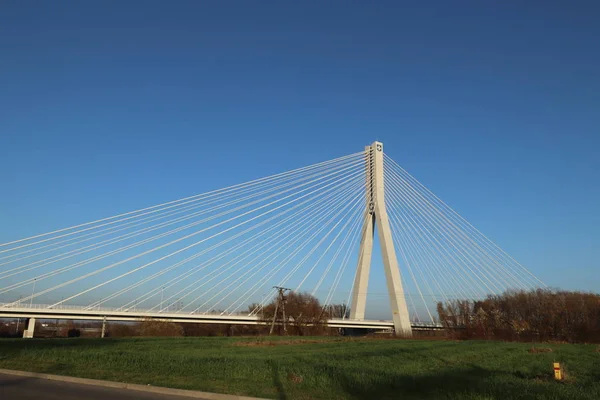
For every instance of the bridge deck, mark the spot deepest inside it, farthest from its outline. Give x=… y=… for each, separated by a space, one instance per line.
x=110 y=314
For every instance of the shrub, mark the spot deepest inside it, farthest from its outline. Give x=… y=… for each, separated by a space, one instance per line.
x=74 y=332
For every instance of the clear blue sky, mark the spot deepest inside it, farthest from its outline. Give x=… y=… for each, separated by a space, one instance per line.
x=111 y=106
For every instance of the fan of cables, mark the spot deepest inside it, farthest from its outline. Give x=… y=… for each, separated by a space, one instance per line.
x=215 y=252
x=442 y=256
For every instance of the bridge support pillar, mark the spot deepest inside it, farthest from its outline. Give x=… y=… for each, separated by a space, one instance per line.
x=376 y=214
x=28 y=333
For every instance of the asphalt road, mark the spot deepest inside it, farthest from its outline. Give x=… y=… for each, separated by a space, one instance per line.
x=14 y=387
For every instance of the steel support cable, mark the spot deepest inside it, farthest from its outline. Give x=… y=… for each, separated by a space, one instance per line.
x=397 y=243
x=237 y=259
x=253 y=289
x=283 y=263
x=111 y=230
x=295 y=228
x=485 y=241
x=452 y=262
x=465 y=259
x=405 y=237
x=454 y=239
x=282 y=244
x=210 y=193
x=314 y=198
x=451 y=213
x=482 y=262
x=330 y=195
x=91 y=247
x=336 y=255
x=333 y=241
x=478 y=236
x=218 y=272
x=85 y=262
x=418 y=261
x=108 y=242
x=353 y=232
x=420 y=266
x=453 y=228
x=224 y=242
x=297 y=267
x=355 y=271
x=410 y=270
x=337 y=279
x=458 y=261
x=408 y=220
x=95 y=259
x=435 y=259
x=195 y=205
x=405 y=240
x=161 y=272
x=475 y=296
x=236 y=280
x=425 y=258
x=345 y=259
x=152 y=218
x=311 y=252
x=171 y=254
x=418 y=258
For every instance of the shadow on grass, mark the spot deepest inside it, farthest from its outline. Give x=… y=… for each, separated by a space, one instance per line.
x=277 y=381
x=470 y=382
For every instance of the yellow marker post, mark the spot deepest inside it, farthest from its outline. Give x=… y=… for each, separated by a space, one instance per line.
x=558 y=375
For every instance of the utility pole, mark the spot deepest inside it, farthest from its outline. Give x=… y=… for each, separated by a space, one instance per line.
x=103 y=327
x=280 y=300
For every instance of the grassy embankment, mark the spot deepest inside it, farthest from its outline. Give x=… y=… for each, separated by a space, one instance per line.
x=321 y=368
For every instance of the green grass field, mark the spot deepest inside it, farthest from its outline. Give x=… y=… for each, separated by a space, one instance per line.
x=321 y=368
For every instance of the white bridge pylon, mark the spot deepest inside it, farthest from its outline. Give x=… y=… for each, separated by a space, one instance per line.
x=376 y=215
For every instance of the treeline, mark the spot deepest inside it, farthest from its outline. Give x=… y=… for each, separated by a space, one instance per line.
x=540 y=315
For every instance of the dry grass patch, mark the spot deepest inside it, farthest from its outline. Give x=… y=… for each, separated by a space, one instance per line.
x=292 y=377
x=534 y=350
x=268 y=343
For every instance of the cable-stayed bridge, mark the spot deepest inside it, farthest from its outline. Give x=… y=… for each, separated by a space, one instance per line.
x=215 y=257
